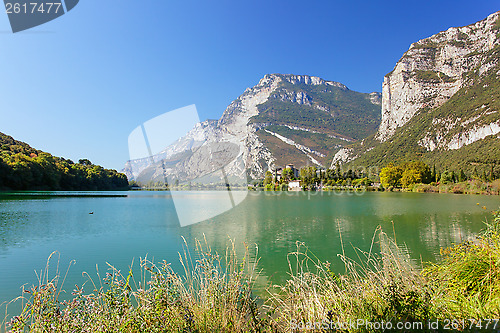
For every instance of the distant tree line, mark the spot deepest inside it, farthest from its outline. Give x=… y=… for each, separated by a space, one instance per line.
x=411 y=173
x=402 y=175
x=25 y=168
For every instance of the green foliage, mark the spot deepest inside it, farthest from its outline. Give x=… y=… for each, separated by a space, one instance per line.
x=333 y=112
x=432 y=77
x=467 y=282
x=447 y=177
x=24 y=168
x=365 y=181
x=464 y=187
x=391 y=176
x=268 y=180
x=418 y=172
x=427 y=45
x=287 y=174
x=410 y=177
x=283 y=187
x=497 y=24
x=285 y=154
x=458 y=43
x=308 y=176
x=216 y=293
x=213 y=295
x=406 y=174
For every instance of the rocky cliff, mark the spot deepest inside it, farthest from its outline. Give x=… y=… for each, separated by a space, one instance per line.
x=433 y=70
x=284 y=119
x=440 y=104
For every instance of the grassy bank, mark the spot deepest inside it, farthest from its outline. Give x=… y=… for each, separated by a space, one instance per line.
x=216 y=293
x=468 y=187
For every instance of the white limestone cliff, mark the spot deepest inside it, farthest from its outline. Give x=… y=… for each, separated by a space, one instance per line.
x=431 y=71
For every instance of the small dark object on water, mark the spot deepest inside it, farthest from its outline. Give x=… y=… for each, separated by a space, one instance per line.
x=91 y=213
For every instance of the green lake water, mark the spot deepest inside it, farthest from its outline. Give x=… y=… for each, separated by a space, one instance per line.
x=129 y=225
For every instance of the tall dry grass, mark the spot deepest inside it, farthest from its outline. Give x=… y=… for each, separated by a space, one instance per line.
x=214 y=294
x=376 y=287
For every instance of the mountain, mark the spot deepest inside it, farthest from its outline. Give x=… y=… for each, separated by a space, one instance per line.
x=284 y=119
x=23 y=167
x=440 y=104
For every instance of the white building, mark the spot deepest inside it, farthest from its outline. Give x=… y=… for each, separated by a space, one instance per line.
x=294 y=185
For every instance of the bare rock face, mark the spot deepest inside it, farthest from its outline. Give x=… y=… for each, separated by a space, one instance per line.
x=344 y=155
x=208 y=143
x=432 y=71
x=234 y=127
x=234 y=143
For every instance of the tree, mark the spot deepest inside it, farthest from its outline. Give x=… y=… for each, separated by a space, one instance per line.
x=411 y=177
x=330 y=174
x=446 y=177
x=461 y=176
x=420 y=169
x=286 y=175
x=365 y=181
x=84 y=162
x=390 y=175
x=475 y=174
x=338 y=171
x=25 y=168
x=308 y=176
x=268 y=179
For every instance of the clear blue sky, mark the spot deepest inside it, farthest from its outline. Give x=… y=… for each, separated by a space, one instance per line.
x=77 y=86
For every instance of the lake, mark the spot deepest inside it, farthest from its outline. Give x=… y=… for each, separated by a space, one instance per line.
x=128 y=225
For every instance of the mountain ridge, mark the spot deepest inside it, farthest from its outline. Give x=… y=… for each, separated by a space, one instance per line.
x=311 y=110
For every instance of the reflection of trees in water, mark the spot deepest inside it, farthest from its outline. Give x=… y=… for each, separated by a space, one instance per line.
x=443 y=231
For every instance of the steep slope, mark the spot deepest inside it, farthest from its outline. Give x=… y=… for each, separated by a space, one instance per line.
x=284 y=119
x=433 y=70
x=306 y=119
x=441 y=103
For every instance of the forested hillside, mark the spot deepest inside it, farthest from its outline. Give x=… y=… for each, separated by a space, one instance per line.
x=24 y=168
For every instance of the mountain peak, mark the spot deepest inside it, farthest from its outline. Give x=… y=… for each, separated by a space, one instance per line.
x=285 y=118
x=300 y=79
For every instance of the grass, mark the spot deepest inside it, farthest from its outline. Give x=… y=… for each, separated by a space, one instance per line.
x=386 y=287
x=432 y=77
x=467 y=187
x=215 y=293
